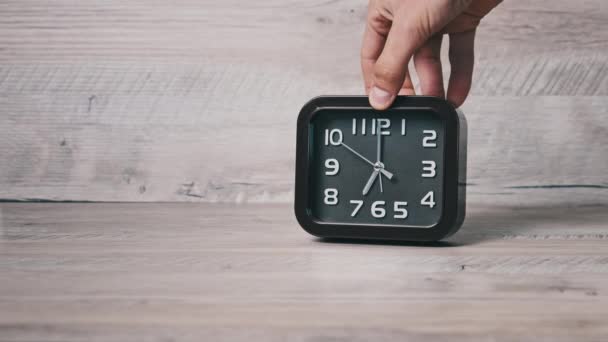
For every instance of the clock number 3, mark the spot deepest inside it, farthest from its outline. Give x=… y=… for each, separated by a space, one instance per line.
x=428 y=169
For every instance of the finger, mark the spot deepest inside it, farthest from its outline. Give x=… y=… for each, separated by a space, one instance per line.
x=462 y=59
x=374 y=37
x=391 y=67
x=427 y=61
x=408 y=87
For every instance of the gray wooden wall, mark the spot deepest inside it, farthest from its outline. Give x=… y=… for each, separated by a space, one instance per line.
x=194 y=100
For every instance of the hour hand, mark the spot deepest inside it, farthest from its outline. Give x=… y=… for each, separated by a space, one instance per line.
x=386 y=173
x=370 y=182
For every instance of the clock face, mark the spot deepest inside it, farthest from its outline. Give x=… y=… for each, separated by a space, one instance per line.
x=376 y=168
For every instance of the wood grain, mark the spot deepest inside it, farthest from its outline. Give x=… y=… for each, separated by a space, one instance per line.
x=192 y=100
x=132 y=272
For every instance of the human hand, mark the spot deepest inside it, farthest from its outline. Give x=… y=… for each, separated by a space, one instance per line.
x=398 y=30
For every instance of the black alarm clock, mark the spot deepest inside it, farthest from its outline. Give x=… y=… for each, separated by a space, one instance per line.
x=396 y=174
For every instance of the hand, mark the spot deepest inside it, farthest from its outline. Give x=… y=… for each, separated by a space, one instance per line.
x=398 y=30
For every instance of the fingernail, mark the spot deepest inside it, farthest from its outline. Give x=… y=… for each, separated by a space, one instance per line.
x=380 y=98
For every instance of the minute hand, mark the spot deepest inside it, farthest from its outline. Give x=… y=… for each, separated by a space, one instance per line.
x=383 y=171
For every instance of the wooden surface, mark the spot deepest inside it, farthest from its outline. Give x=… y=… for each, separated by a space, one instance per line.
x=191 y=100
x=211 y=272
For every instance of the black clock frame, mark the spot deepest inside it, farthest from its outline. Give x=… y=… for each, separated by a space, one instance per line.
x=454 y=184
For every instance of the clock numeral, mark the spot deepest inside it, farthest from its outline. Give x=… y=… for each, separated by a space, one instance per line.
x=333 y=165
x=378 y=210
x=384 y=126
x=381 y=126
x=428 y=200
x=358 y=204
x=363 y=128
x=400 y=210
x=333 y=137
x=428 y=168
x=403 y=126
x=429 y=139
x=331 y=196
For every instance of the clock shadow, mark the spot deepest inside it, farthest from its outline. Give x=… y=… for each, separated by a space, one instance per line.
x=485 y=223
x=387 y=242
x=499 y=222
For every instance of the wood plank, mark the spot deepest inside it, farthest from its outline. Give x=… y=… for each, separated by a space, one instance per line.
x=118 y=272
x=190 y=100
x=553 y=147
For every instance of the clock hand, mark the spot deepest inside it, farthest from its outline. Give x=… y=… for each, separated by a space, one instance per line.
x=379 y=144
x=383 y=171
x=386 y=174
x=370 y=182
x=357 y=154
x=379 y=150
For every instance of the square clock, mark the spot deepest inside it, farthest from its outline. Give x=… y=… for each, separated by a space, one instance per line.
x=397 y=174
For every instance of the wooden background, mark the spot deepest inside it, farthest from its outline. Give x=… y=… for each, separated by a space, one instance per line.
x=192 y=100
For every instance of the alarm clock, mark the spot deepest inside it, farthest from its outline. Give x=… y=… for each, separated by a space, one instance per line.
x=396 y=174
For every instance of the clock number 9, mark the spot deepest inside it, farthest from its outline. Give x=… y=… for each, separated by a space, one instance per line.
x=333 y=167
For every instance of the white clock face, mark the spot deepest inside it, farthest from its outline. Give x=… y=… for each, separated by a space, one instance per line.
x=377 y=168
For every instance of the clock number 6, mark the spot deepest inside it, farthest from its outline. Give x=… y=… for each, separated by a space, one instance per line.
x=378 y=210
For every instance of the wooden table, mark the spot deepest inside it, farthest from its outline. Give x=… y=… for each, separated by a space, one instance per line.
x=205 y=272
